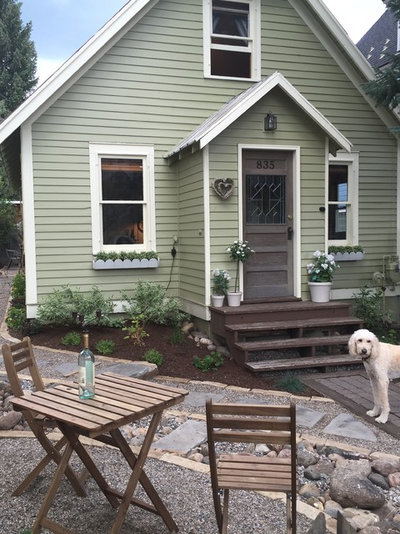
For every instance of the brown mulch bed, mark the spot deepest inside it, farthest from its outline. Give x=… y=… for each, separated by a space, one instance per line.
x=178 y=358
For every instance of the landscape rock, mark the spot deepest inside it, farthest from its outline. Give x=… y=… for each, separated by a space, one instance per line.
x=9 y=420
x=352 y=489
x=386 y=465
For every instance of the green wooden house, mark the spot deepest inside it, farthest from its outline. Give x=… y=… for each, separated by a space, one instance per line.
x=188 y=125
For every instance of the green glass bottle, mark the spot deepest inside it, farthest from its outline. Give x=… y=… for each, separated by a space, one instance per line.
x=86 y=370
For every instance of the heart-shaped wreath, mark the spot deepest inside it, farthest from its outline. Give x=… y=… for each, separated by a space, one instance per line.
x=223 y=187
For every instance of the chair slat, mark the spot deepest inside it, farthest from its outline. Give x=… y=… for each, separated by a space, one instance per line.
x=251 y=423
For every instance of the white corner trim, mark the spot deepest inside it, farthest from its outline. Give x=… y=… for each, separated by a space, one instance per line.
x=77 y=64
x=28 y=211
x=207 y=231
x=398 y=197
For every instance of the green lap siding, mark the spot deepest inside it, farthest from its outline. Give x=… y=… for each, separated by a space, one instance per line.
x=149 y=89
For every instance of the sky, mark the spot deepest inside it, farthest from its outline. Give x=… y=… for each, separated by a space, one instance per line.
x=60 y=27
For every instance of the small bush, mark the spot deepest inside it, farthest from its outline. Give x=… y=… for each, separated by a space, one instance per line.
x=16 y=319
x=290 y=383
x=71 y=338
x=369 y=306
x=57 y=308
x=136 y=331
x=176 y=337
x=105 y=347
x=210 y=362
x=153 y=356
x=150 y=301
x=18 y=289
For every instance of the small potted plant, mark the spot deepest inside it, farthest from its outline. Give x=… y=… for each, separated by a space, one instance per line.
x=347 y=252
x=221 y=281
x=320 y=274
x=240 y=252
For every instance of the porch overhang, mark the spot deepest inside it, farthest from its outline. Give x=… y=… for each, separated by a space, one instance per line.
x=238 y=105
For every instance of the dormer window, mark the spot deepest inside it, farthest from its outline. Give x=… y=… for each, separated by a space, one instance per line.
x=231 y=38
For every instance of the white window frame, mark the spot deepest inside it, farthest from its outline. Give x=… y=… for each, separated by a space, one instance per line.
x=146 y=153
x=352 y=162
x=254 y=40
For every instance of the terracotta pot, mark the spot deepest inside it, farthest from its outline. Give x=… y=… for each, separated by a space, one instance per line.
x=320 y=291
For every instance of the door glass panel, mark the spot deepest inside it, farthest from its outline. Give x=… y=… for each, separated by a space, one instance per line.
x=265 y=199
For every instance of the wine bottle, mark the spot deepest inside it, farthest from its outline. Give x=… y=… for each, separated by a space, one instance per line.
x=86 y=370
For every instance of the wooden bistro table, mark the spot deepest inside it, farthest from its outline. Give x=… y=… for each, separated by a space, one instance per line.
x=119 y=400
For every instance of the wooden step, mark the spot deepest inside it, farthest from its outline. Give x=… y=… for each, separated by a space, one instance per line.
x=330 y=360
x=292 y=343
x=245 y=328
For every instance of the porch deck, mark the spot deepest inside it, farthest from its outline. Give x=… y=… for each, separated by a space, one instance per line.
x=352 y=390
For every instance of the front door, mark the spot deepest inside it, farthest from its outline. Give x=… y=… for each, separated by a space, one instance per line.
x=268 y=223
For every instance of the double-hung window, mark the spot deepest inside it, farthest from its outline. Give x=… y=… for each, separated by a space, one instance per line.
x=122 y=194
x=343 y=200
x=232 y=38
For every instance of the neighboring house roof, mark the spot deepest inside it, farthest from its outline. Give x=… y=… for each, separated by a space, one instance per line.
x=238 y=105
x=121 y=23
x=380 y=41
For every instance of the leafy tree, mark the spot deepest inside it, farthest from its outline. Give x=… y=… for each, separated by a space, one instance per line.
x=385 y=89
x=17 y=58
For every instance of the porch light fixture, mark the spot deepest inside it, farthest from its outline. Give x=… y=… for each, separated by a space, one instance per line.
x=270 y=122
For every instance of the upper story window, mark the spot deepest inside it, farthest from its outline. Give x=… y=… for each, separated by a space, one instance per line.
x=122 y=189
x=343 y=200
x=232 y=38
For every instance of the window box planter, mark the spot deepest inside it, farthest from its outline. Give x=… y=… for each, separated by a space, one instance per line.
x=126 y=264
x=348 y=256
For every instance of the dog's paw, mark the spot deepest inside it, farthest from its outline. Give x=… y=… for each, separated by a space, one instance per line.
x=382 y=419
x=373 y=413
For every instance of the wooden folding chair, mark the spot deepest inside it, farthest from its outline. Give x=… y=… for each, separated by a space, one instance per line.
x=251 y=423
x=17 y=357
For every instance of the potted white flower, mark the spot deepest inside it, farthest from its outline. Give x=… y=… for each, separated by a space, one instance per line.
x=320 y=274
x=221 y=281
x=240 y=252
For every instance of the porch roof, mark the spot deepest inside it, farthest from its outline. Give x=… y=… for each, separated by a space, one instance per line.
x=238 y=105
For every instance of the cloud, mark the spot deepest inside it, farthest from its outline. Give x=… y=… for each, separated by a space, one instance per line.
x=46 y=67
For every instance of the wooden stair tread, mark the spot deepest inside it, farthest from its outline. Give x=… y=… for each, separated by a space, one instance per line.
x=302 y=362
x=292 y=343
x=300 y=323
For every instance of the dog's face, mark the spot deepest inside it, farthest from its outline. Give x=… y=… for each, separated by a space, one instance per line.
x=363 y=343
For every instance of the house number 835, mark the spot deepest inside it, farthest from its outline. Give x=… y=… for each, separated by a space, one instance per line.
x=265 y=164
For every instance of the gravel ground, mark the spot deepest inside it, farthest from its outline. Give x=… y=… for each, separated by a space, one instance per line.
x=186 y=493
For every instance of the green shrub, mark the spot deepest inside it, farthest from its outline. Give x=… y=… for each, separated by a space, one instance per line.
x=209 y=362
x=57 y=308
x=176 y=337
x=148 y=255
x=18 y=289
x=16 y=319
x=290 y=383
x=105 y=347
x=150 y=301
x=369 y=306
x=153 y=356
x=136 y=331
x=71 y=338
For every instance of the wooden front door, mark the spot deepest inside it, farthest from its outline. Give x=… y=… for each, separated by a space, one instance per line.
x=268 y=223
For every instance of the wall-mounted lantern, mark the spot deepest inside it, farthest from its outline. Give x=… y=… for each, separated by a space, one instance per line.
x=270 y=122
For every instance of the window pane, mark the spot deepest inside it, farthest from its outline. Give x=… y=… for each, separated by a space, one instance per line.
x=337 y=222
x=231 y=18
x=338 y=183
x=265 y=197
x=122 y=224
x=122 y=179
x=235 y=64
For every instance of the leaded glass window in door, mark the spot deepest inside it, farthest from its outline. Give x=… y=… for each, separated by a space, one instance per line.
x=265 y=199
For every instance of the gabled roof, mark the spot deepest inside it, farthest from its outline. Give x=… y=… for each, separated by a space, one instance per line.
x=238 y=105
x=121 y=23
x=380 y=41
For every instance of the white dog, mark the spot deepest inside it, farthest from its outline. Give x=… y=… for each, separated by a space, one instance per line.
x=381 y=361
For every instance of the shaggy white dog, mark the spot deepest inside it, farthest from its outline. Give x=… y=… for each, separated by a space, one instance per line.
x=381 y=361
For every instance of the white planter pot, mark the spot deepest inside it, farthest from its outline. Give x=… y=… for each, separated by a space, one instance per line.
x=348 y=256
x=234 y=298
x=125 y=264
x=320 y=291
x=218 y=300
